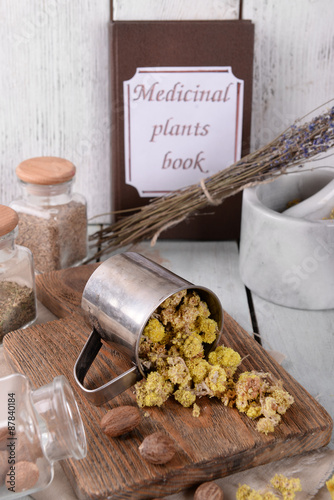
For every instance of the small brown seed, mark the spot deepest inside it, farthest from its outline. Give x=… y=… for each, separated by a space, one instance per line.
x=26 y=475
x=157 y=448
x=209 y=491
x=120 y=420
x=3 y=437
x=27 y=450
x=3 y=466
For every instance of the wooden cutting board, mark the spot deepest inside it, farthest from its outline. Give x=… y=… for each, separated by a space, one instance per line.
x=220 y=442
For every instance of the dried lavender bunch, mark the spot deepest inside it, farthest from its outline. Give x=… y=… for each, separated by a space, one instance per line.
x=296 y=146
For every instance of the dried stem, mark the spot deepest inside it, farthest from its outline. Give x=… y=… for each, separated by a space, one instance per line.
x=295 y=146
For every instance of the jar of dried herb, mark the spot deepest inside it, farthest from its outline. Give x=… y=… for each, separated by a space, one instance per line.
x=17 y=277
x=52 y=219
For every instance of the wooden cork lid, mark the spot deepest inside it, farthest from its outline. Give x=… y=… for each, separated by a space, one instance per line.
x=8 y=220
x=45 y=170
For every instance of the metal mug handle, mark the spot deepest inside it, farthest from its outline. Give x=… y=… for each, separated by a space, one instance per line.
x=112 y=388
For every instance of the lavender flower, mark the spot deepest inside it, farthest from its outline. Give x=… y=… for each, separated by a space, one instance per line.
x=296 y=146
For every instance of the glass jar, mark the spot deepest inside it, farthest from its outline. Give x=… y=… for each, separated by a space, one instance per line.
x=37 y=428
x=52 y=219
x=17 y=278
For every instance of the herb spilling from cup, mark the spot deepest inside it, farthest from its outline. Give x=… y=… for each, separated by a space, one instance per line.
x=172 y=350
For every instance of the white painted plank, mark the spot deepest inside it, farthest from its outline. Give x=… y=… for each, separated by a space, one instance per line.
x=306 y=339
x=293 y=62
x=54 y=87
x=125 y=10
x=210 y=264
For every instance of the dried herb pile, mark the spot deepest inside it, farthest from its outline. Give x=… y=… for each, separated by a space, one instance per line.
x=172 y=350
x=58 y=241
x=17 y=306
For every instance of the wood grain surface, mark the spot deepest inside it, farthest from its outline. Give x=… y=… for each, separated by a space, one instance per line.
x=61 y=291
x=221 y=441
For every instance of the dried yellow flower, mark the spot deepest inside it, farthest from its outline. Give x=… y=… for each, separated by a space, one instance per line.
x=198 y=369
x=330 y=486
x=245 y=492
x=185 y=396
x=265 y=425
x=153 y=391
x=154 y=330
x=177 y=372
x=331 y=215
x=196 y=410
x=207 y=328
x=227 y=358
x=192 y=346
x=258 y=395
x=286 y=487
x=216 y=381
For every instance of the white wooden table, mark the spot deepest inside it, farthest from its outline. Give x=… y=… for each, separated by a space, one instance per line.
x=303 y=339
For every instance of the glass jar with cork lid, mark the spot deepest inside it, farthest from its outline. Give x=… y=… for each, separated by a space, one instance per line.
x=17 y=277
x=52 y=219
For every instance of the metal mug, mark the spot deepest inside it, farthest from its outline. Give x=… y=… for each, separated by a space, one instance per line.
x=118 y=300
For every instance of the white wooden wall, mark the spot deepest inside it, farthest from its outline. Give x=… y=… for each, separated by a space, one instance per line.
x=54 y=80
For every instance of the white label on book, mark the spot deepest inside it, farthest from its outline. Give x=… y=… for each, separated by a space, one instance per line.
x=181 y=125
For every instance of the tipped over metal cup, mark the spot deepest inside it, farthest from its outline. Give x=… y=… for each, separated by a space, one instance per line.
x=118 y=300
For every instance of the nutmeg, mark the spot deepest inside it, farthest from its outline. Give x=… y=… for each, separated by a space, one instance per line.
x=120 y=420
x=157 y=448
x=3 y=438
x=26 y=475
x=27 y=450
x=209 y=491
x=3 y=466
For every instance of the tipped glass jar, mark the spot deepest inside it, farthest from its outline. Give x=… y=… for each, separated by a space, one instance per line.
x=37 y=428
x=52 y=219
x=17 y=278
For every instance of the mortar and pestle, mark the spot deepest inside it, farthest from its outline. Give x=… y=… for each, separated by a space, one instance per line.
x=287 y=253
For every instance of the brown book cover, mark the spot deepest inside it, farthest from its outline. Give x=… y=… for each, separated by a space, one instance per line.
x=163 y=44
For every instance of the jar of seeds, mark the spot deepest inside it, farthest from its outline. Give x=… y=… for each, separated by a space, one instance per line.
x=38 y=427
x=52 y=219
x=17 y=277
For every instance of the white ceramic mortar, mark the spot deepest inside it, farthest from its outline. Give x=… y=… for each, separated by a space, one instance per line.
x=288 y=259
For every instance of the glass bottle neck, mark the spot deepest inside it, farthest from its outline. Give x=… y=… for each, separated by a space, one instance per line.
x=7 y=245
x=61 y=427
x=47 y=195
